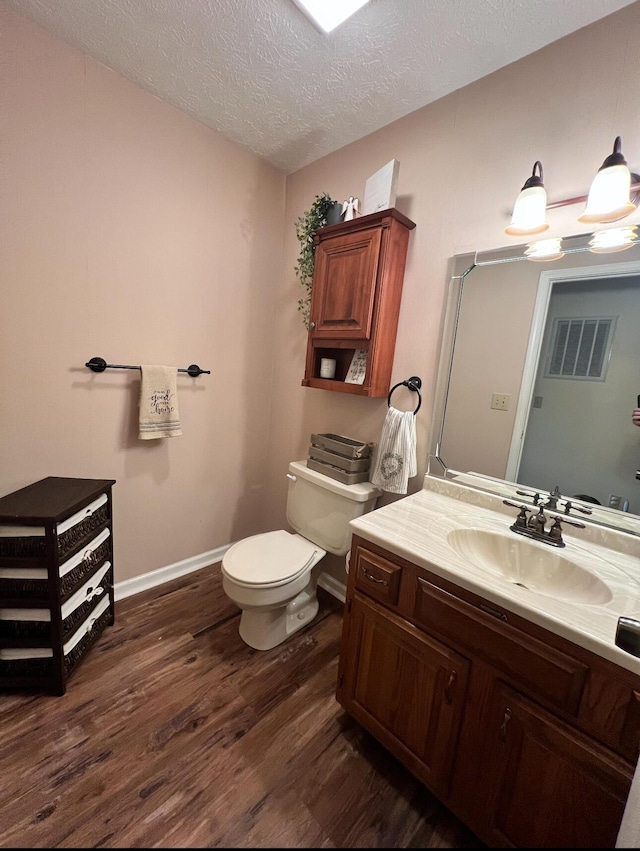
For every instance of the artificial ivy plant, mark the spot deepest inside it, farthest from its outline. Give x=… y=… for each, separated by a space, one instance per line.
x=306 y=226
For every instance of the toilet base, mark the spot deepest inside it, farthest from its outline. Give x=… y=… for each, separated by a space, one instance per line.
x=265 y=627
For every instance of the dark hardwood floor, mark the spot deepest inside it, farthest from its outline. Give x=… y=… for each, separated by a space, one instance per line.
x=173 y=733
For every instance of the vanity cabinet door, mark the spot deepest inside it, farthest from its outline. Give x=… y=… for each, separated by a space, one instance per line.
x=547 y=785
x=406 y=688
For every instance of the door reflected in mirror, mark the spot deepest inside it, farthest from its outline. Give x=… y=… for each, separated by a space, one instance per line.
x=539 y=374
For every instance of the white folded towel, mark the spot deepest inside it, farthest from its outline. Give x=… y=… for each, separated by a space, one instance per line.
x=158 y=402
x=629 y=833
x=396 y=456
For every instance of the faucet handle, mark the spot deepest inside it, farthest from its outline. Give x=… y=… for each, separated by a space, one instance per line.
x=558 y=518
x=555 y=532
x=515 y=505
x=535 y=497
x=569 y=505
x=521 y=519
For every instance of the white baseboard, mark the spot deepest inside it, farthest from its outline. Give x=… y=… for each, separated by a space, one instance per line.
x=129 y=587
x=145 y=581
x=333 y=586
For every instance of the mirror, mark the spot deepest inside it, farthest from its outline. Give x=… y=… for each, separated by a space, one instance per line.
x=539 y=373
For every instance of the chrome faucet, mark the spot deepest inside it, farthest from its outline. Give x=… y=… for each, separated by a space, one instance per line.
x=533 y=525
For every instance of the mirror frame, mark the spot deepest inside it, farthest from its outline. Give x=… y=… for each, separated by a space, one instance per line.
x=459 y=267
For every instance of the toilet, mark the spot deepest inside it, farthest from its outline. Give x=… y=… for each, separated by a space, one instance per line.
x=272 y=577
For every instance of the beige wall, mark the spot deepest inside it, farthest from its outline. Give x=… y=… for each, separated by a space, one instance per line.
x=133 y=233
x=462 y=161
x=137 y=235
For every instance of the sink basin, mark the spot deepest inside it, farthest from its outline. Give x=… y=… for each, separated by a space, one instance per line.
x=528 y=564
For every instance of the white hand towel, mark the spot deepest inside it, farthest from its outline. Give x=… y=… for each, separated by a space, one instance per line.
x=629 y=833
x=158 y=402
x=396 y=456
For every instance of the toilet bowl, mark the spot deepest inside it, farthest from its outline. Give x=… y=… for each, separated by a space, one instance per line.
x=269 y=577
x=272 y=577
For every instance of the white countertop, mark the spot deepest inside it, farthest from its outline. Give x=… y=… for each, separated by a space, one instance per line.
x=416 y=528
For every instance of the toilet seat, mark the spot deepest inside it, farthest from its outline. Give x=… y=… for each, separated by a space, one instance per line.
x=270 y=559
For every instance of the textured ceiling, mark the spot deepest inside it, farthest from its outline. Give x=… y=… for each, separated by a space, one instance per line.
x=261 y=74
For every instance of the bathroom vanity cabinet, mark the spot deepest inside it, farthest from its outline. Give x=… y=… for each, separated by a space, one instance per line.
x=530 y=739
x=355 y=300
x=56 y=579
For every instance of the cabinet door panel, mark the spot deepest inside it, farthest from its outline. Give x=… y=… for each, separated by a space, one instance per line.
x=549 y=786
x=344 y=285
x=407 y=689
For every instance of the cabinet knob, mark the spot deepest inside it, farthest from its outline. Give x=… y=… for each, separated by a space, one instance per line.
x=312 y=326
x=448 y=696
x=505 y=722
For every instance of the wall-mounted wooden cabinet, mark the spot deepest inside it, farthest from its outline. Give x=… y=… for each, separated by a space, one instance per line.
x=355 y=300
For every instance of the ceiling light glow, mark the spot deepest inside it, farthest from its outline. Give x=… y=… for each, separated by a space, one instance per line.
x=328 y=14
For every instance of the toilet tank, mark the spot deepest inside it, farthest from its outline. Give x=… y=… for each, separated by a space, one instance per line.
x=319 y=508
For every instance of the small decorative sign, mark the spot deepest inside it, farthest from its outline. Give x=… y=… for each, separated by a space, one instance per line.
x=381 y=188
x=358 y=368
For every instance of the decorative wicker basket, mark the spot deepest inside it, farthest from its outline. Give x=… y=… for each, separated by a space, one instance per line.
x=42 y=629
x=44 y=667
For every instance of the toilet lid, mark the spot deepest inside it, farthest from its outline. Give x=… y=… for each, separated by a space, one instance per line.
x=269 y=558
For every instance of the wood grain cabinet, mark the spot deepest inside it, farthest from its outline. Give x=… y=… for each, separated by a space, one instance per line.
x=355 y=299
x=406 y=688
x=531 y=740
x=56 y=579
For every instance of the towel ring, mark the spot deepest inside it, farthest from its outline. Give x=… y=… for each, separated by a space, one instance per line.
x=414 y=384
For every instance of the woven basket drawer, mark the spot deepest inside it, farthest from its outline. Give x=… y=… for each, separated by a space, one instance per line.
x=80 y=567
x=32 y=584
x=80 y=526
x=85 y=599
x=26 y=543
x=30 y=542
x=30 y=662
x=25 y=583
x=36 y=623
x=25 y=623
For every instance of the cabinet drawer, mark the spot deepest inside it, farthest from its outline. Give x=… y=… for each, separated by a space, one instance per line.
x=30 y=541
x=32 y=583
x=76 y=569
x=30 y=662
x=78 y=528
x=377 y=577
x=16 y=623
x=540 y=670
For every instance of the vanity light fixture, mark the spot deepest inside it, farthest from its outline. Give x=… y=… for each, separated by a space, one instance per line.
x=609 y=198
x=613 y=239
x=529 y=211
x=328 y=14
x=545 y=250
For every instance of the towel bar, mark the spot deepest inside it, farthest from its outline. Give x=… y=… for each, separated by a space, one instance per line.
x=100 y=364
x=414 y=384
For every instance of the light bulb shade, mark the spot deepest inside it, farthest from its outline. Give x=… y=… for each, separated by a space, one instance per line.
x=613 y=239
x=529 y=212
x=609 y=199
x=545 y=250
x=530 y=207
